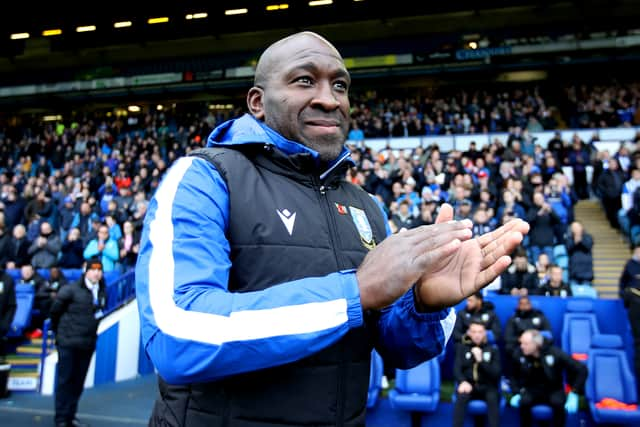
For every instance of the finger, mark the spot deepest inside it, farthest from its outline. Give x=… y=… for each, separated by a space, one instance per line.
x=421 y=233
x=434 y=256
x=505 y=245
x=490 y=273
x=442 y=236
x=445 y=214
x=513 y=225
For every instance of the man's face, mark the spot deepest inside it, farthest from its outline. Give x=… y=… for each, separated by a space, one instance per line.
x=473 y=303
x=520 y=262
x=305 y=97
x=477 y=333
x=556 y=276
x=94 y=274
x=524 y=304
x=527 y=345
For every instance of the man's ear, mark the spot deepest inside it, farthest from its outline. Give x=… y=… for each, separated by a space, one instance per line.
x=255 y=102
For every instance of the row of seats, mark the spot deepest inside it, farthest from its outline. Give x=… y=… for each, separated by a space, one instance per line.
x=610 y=376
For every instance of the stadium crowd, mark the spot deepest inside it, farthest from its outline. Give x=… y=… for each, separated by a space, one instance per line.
x=73 y=191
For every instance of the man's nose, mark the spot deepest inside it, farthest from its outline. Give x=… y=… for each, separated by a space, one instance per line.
x=325 y=97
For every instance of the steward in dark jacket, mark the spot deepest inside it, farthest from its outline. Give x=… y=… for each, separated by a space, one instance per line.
x=7 y=307
x=525 y=317
x=539 y=369
x=75 y=314
x=477 y=370
x=477 y=311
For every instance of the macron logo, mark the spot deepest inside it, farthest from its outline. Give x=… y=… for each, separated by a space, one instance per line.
x=288 y=219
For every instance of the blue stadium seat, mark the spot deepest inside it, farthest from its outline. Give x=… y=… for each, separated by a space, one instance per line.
x=579 y=326
x=417 y=389
x=72 y=274
x=610 y=377
x=375 y=379
x=583 y=290
x=559 y=251
x=22 y=319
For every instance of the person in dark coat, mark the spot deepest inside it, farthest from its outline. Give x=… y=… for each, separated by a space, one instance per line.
x=8 y=307
x=610 y=189
x=521 y=277
x=477 y=311
x=630 y=293
x=539 y=371
x=525 y=317
x=19 y=248
x=75 y=315
x=476 y=370
x=579 y=245
x=555 y=287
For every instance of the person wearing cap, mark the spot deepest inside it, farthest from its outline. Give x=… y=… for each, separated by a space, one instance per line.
x=75 y=314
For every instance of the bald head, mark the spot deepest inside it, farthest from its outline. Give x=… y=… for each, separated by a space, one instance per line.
x=273 y=55
x=301 y=91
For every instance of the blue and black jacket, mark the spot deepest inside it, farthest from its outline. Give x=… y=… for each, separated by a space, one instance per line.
x=247 y=289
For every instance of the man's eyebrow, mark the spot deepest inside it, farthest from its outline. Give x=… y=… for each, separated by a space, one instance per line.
x=313 y=68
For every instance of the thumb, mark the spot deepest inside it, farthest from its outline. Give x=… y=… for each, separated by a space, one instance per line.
x=445 y=214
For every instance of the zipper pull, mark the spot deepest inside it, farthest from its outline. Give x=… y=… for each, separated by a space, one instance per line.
x=323 y=190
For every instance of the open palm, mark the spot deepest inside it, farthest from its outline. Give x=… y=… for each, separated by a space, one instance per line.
x=474 y=265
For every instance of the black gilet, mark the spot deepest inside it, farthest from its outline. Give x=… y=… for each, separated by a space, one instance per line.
x=328 y=388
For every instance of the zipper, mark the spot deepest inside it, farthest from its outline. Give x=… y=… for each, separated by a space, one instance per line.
x=333 y=230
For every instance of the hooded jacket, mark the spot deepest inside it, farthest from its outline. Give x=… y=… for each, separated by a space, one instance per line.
x=250 y=308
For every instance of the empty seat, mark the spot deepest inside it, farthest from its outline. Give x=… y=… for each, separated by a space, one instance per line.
x=579 y=325
x=22 y=318
x=610 y=378
x=417 y=389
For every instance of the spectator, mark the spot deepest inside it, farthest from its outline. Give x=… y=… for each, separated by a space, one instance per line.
x=5 y=244
x=19 y=248
x=67 y=213
x=525 y=317
x=403 y=218
x=75 y=315
x=129 y=246
x=72 y=253
x=610 y=189
x=56 y=280
x=476 y=371
x=83 y=219
x=579 y=245
x=542 y=267
x=542 y=219
x=521 y=277
x=539 y=371
x=555 y=287
x=7 y=309
x=45 y=248
x=103 y=247
x=31 y=278
x=480 y=311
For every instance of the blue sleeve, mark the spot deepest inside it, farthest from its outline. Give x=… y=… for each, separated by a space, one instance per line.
x=193 y=328
x=406 y=337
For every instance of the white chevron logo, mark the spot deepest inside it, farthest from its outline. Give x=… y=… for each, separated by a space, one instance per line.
x=288 y=219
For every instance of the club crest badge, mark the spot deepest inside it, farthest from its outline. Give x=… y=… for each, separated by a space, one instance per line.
x=364 y=228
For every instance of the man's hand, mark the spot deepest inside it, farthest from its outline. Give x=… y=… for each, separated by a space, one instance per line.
x=464 y=387
x=390 y=269
x=457 y=274
x=477 y=354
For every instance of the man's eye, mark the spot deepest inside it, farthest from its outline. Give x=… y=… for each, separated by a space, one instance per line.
x=304 y=80
x=342 y=86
